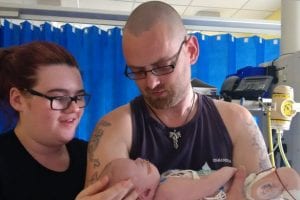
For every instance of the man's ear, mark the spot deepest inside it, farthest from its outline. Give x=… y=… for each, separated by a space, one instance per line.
x=193 y=49
x=16 y=99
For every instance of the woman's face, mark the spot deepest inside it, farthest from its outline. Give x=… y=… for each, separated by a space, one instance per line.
x=37 y=119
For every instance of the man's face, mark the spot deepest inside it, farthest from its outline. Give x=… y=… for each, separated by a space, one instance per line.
x=153 y=49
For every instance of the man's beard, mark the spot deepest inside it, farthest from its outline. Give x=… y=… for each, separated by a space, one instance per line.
x=168 y=101
x=173 y=97
x=159 y=103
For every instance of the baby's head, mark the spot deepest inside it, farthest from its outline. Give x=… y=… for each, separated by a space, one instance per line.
x=142 y=173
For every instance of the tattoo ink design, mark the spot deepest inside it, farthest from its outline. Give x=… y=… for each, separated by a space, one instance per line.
x=93 y=145
x=259 y=143
x=95 y=177
x=104 y=123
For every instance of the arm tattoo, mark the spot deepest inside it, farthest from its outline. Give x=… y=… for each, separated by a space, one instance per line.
x=93 y=145
x=94 y=142
x=258 y=142
x=94 y=178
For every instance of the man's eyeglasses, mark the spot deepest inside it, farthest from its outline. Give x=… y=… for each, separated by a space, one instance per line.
x=63 y=102
x=156 y=70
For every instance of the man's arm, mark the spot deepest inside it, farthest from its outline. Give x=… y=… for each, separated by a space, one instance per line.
x=178 y=188
x=111 y=139
x=249 y=148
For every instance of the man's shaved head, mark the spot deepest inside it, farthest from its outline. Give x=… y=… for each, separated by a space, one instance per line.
x=148 y=14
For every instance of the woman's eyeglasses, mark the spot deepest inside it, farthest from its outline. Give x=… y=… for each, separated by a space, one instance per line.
x=63 y=102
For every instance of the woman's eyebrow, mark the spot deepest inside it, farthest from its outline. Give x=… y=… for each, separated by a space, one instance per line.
x=65 y=91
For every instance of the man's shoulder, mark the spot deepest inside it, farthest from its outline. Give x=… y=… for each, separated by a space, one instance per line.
x=229 y=109
x=119 y=113
x=115 y=122
x=234 y=116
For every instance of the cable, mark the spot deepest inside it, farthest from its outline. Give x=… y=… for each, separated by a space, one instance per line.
x=283 y=185
x=279 y=142
x=270 y=137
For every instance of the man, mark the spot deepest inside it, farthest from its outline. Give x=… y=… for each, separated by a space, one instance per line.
x=169 y=124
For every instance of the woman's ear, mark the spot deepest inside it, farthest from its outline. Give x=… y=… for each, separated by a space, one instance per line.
x=193 y=49
x=16 y=99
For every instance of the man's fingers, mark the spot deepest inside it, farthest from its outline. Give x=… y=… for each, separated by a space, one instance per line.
x=239 y=179
x=240 y=175
x=236 y=190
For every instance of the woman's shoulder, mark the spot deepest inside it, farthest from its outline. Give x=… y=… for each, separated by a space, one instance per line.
x=7 y=138
x=78 y=143
x=78 y=150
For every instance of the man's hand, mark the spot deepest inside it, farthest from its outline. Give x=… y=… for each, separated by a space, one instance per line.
x=99 y=191
x=236 y=190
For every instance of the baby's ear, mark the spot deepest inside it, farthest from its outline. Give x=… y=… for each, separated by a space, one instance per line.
x=147 y=193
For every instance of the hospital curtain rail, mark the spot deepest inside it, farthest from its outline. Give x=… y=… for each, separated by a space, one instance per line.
x=99 y=54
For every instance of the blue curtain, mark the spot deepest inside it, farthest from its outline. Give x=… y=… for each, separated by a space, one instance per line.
x=99 y=55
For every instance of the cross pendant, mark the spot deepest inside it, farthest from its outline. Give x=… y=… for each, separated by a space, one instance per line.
x=175 y=135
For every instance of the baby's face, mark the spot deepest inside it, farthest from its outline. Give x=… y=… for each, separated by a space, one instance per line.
x=143 y=174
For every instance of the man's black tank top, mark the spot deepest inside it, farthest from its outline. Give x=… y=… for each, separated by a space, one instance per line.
x=204 y=139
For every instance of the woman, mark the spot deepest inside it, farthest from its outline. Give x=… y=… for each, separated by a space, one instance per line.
x=39 y=157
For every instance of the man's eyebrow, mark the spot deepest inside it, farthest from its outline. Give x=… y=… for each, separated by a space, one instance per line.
x=165 y=59
x=155 y=64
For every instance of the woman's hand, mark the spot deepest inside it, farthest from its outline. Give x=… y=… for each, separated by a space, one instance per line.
x=124 y=190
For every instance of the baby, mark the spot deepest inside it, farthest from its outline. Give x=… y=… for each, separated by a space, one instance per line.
x=282 y=183
x=143 y=174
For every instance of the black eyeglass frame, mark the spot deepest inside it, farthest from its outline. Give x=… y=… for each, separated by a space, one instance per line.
x=51 y=98
x=171 y=67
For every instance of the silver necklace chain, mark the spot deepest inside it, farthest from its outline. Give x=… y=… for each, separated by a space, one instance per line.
x=174 y=135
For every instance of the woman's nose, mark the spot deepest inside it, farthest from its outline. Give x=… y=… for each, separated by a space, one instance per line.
x=73 y=107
